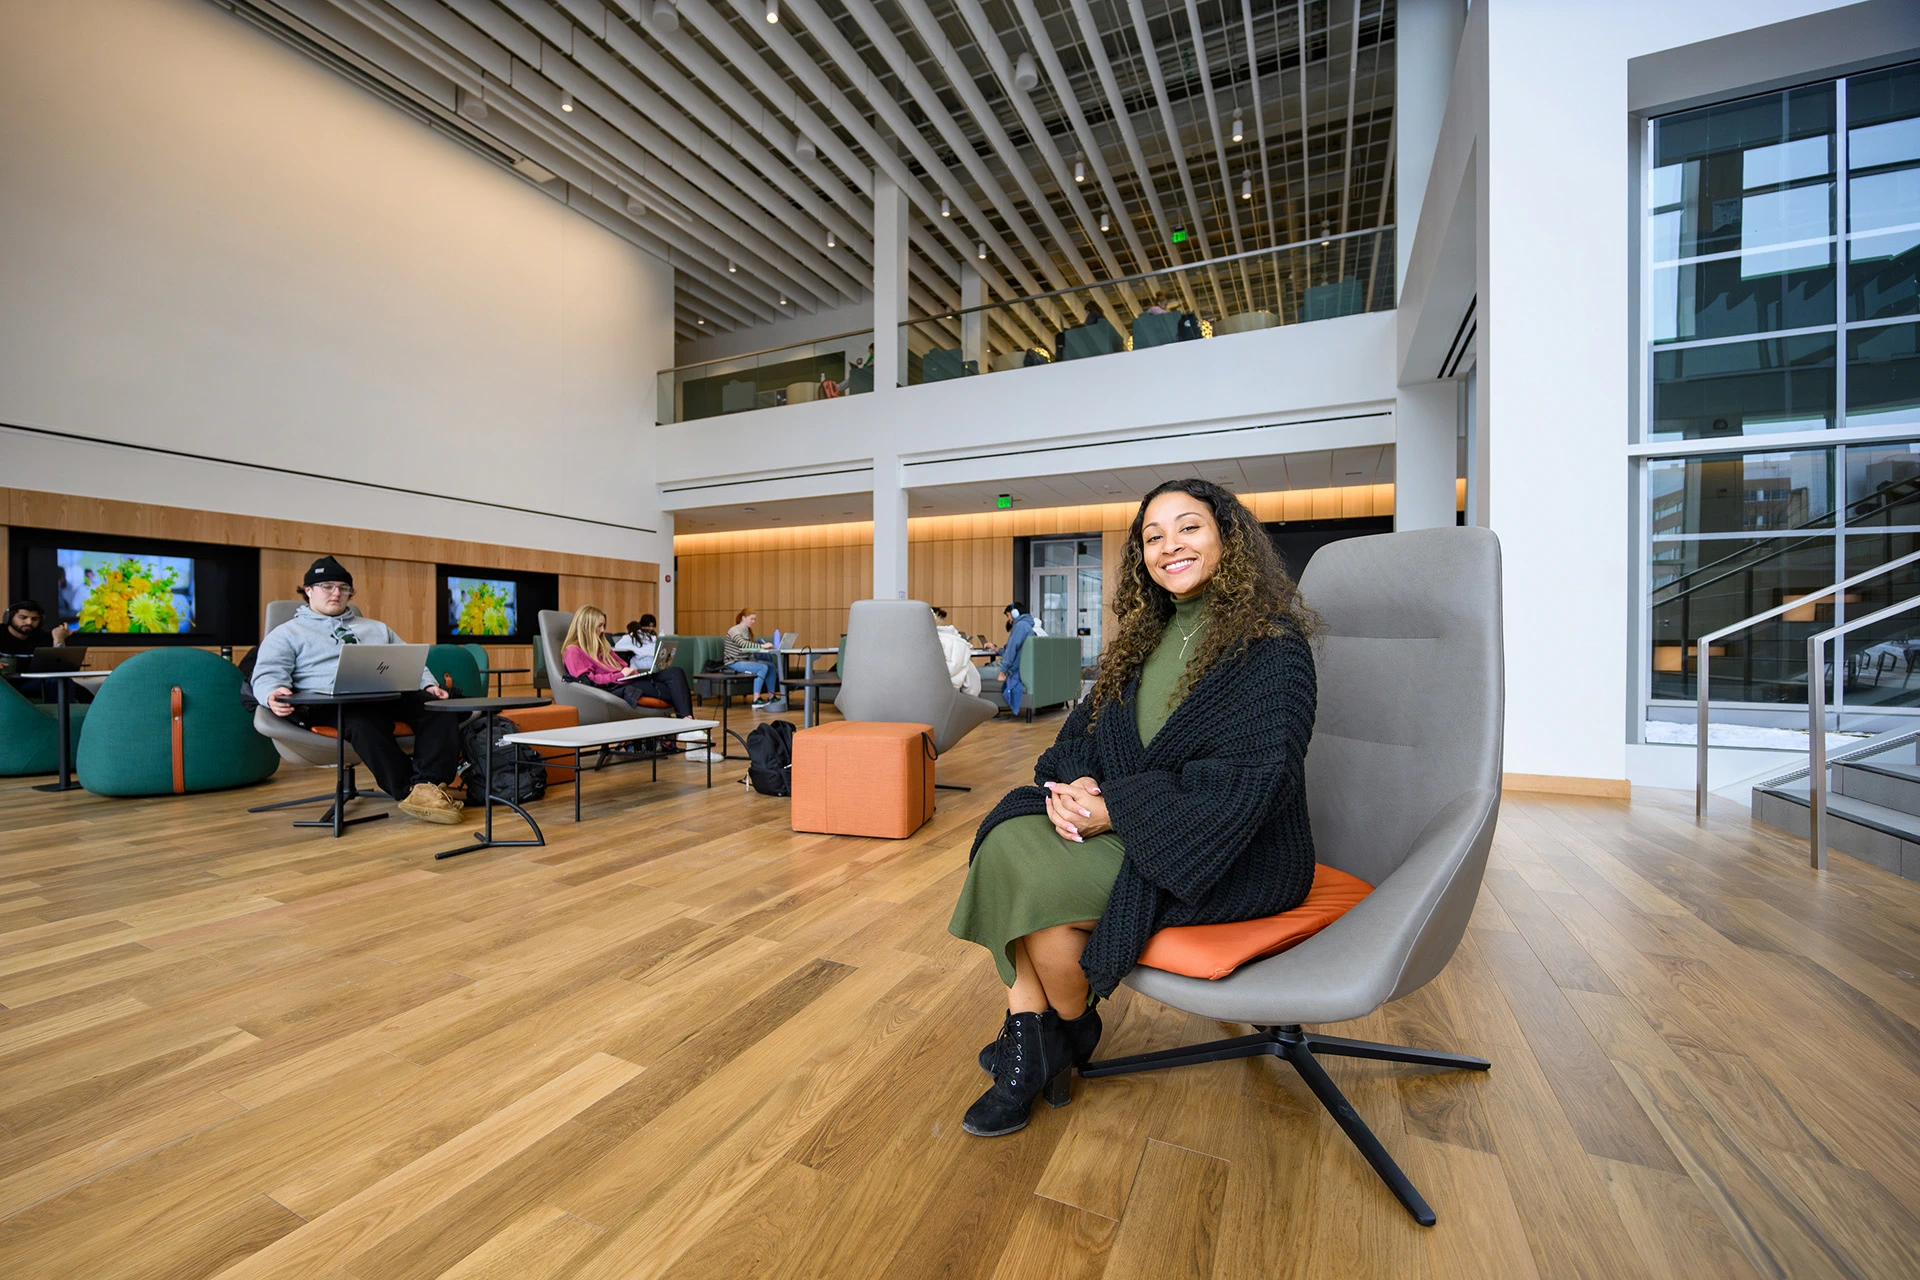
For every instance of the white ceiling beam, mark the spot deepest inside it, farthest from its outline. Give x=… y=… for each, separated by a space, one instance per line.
x=1199 y=36
x=1306 y=118
x=1150 y=55
x=1083 y=136
x=1043 y=145
x=1260 y=115
x=1353 y=82
x=936 y=111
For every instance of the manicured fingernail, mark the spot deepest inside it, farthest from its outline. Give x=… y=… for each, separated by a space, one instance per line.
x=1086 y=813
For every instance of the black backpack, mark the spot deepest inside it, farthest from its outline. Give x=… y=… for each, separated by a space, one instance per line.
x=531 y=780
x=770 y=759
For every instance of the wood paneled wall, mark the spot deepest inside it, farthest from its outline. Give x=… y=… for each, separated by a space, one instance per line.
x=393 y=573
x=803 y=579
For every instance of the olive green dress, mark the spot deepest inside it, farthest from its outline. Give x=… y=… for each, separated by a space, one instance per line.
x=1025 y=876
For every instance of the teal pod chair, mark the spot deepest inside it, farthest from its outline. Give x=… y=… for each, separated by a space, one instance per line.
x=479 y=655
x=30 y=736
x=455 y=668
x=170 y=721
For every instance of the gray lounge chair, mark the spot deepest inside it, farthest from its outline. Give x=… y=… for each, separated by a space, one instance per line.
x=894 y=670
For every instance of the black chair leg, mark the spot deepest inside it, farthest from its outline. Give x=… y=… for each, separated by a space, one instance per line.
x=1298 y=1048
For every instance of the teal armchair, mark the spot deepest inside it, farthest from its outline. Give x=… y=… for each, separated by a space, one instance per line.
x=455 y=668
x=170 y=721
x=1050 y=670
x=29 y=735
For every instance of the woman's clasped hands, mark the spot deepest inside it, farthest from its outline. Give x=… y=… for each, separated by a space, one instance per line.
x=1077 y=809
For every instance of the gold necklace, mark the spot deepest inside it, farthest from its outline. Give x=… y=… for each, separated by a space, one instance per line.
x=1186 y=637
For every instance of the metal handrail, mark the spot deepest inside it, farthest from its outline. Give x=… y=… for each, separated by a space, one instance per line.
x=1225 y=260
x=1872 y=747
x=1817 y=721
x=1700 y=664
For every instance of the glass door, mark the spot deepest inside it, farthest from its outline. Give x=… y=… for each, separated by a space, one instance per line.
x=1066 y=591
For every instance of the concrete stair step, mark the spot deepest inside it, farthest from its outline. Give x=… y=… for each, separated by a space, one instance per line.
x=1891 y=786
x=1888 y=838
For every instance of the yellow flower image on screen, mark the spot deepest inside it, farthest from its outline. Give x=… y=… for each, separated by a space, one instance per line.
x=131 y=598
x=484 y=613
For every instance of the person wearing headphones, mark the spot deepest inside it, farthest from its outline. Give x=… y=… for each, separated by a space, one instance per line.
x=1020 y=625
x=21 y=634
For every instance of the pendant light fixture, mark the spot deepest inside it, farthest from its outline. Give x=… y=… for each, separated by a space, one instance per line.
x=946 y=210
x=773 y=10
x=1238 y=132
x=831 y=242
x=733 y=268
x=1079 y=170
x=1103 y=219
x=1246 y=187
x=566 y=101
x=980 y=251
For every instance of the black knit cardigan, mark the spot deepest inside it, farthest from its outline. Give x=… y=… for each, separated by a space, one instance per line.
x=1213 y=814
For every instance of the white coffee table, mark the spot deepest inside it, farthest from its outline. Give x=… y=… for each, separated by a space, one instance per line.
x=613 y=733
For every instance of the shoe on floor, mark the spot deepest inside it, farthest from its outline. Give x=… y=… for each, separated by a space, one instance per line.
x=429 y=803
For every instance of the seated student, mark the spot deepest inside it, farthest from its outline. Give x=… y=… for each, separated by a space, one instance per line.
x=1174 y=795
x=302 y=655
x=958 y=651
x=739 y=652
x=19 y=637
x=1020 y=625
x=637 y=642
x=588 y=657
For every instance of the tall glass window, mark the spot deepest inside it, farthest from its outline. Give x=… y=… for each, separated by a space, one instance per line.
x=1781 y=241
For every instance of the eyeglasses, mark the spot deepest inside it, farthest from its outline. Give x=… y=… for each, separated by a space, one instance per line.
x=333 y=588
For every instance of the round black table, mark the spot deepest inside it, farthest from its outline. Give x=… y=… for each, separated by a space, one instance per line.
x=726 y=679
x=489 y=706
x=344 y=788
x=63 y=717
x=501 y=673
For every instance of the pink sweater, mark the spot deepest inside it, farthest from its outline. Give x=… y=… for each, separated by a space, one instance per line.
x=581 y=663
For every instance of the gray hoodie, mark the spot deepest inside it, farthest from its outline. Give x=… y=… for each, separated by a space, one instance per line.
x=303 y=654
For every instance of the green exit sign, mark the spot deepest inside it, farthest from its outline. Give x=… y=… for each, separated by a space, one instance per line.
x=1179 y=236
x=1004 y=501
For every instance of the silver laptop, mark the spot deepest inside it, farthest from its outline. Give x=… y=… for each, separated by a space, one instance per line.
x=662 y=659
x=380 y=668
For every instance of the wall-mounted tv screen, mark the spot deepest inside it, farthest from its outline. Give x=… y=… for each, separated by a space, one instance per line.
x=112 y=589
x=482 y=606
x=124 y=592
x=492 y=606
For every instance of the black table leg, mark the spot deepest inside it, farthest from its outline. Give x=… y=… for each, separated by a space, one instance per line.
x=64 y=738
x=486 y=840
x=336 y=817
x=576 y=784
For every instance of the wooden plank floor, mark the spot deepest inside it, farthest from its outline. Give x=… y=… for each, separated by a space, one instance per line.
x=682 y=1041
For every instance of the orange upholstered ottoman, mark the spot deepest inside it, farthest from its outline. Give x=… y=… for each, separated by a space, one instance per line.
x=863 y=779
x=1216 y=950
x=553 y=716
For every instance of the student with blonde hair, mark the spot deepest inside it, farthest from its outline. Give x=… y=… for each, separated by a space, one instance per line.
x=589 y=658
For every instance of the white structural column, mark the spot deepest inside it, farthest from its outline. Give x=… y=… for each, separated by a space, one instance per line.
x=973 y=324
x=1425 y=422
x=889 y=373
x=889 y=529
x=1426 y=43
x=889 y=286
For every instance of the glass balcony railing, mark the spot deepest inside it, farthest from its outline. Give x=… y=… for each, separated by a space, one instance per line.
x=1339 y=275
x=763 y=379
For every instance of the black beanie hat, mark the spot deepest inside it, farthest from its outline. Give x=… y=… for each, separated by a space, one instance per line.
x=326 y=569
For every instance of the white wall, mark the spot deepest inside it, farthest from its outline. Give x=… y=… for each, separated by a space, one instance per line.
x=1554 y=350
x=210 y=243
x=998 y=420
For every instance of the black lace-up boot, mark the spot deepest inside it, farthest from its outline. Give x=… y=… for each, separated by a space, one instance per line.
x=1034 y=1060
x=1083 y=1035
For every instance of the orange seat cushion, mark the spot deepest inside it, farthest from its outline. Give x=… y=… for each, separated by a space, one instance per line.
x=400 y=730
x=552 y=716
x=656 y=702
x=1216 y=950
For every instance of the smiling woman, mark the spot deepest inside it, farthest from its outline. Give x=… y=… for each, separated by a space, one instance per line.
x=1174 y=795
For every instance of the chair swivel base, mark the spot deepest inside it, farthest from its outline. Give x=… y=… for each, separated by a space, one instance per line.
x=335 y=800
x=1298 y=1047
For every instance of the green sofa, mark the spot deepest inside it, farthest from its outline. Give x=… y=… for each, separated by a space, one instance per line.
x=1050 y=670
x=692 y=656
x=128 y=749
x=30 y=736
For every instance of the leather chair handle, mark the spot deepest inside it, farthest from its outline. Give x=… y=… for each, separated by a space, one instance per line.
x=179 y=745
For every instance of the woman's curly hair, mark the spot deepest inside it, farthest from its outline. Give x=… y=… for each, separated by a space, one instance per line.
x=1249 y=597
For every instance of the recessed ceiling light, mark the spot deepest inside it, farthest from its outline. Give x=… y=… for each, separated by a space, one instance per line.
x=566 y=100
